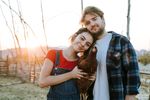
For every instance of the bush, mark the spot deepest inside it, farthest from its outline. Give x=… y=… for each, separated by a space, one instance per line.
x=145 y=58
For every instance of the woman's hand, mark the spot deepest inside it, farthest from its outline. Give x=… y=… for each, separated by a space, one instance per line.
x=77 y=73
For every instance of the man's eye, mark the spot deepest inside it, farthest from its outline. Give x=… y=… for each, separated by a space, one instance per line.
x=95 y=18
x=87 y=23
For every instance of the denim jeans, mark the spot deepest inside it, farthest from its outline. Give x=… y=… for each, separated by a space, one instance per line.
x=67 y=90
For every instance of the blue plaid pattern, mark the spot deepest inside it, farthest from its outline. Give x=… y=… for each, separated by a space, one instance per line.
x=122 y=68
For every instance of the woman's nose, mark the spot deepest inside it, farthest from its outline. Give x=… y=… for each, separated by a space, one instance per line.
x=83 y=43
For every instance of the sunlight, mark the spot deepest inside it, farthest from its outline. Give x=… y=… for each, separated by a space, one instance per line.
x=32 y=43
x=64 y=20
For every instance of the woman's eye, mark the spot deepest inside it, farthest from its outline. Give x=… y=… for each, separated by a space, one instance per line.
x=87 y=44
x=95 y=18
x=82 y=38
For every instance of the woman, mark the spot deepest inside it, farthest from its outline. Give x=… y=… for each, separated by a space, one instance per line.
x=62 y=77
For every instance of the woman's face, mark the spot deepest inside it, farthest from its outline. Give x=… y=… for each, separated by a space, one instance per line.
x=82 y=42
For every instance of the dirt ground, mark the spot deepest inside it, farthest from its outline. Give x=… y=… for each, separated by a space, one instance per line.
x=12 y=88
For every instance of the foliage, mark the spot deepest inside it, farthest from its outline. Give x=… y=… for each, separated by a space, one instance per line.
x=145 y=58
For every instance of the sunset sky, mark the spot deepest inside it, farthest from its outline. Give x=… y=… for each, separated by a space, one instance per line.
x=61 y=19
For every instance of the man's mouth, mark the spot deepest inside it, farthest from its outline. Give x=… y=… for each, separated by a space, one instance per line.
x=94 y=28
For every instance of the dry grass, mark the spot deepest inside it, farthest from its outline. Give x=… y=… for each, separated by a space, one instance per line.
x=12 y=88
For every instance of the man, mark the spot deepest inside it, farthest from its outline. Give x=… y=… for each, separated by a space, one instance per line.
x=117 y=76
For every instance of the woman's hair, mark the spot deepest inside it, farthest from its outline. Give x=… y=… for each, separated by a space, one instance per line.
x=91 y=10
x=81 y=30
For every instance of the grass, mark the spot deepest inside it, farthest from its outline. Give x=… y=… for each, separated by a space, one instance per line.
x=12 y=88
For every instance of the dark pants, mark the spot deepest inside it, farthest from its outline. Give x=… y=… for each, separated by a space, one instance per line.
x=67 y=90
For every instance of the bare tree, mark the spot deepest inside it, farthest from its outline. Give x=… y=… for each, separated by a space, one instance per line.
x=24 y=24
x=81 y=6
x=9 y=28
x=44 y=25
x=128 y=20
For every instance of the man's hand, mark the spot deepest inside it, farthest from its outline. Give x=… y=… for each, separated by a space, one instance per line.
x=93 y=77
x=130 y=97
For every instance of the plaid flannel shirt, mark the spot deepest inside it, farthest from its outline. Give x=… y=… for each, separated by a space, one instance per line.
x=122 y=68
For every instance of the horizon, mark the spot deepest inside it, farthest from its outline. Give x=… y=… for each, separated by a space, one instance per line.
x=49 y=47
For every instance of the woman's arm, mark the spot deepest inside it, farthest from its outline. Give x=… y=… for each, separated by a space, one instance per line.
x=46 y=79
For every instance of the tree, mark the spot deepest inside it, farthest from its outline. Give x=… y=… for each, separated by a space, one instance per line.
x=128 y=20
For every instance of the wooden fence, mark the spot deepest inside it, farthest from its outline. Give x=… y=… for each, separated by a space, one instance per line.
x=145 y=82
x=28 y=72
x=4 y=67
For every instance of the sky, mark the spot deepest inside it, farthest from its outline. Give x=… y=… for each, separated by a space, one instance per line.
x=61 y=20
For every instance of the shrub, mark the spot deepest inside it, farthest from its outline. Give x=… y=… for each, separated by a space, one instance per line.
x=145 y=58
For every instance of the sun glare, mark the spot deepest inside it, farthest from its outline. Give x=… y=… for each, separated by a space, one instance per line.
x=32 y=43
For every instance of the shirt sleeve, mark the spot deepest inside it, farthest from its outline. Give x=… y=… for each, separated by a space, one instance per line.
x=51 y=55
x=130 y=63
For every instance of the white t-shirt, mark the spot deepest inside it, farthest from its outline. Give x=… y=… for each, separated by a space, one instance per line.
x=101 y=89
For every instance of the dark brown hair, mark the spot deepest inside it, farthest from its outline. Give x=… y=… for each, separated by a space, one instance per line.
x=81 y=30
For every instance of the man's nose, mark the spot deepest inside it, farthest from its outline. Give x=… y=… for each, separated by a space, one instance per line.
x=92 y=23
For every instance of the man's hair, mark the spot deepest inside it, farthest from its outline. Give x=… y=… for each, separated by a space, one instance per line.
x=91 y=10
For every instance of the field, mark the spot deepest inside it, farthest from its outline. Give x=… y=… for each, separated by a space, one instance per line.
x=12 y=88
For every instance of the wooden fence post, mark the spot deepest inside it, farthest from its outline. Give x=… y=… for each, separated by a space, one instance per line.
x=4 y=66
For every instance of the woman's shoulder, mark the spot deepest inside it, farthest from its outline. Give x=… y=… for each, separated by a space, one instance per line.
x=54 y=49
x=51 y=51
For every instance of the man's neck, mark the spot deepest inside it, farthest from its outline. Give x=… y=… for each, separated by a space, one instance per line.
x=102 y=35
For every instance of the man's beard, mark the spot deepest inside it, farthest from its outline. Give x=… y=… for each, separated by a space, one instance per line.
x=99 y=33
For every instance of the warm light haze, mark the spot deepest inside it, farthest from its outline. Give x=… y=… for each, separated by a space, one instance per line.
x=61 y=19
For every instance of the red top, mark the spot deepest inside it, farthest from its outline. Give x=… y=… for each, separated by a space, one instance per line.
x=63 y=63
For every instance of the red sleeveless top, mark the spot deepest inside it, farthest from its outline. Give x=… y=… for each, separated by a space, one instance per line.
x=63 y=63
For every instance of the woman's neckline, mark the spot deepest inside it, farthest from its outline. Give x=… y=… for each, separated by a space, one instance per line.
x=66 y=56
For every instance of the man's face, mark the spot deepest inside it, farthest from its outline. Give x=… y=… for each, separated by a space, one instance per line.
x=94 y=23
